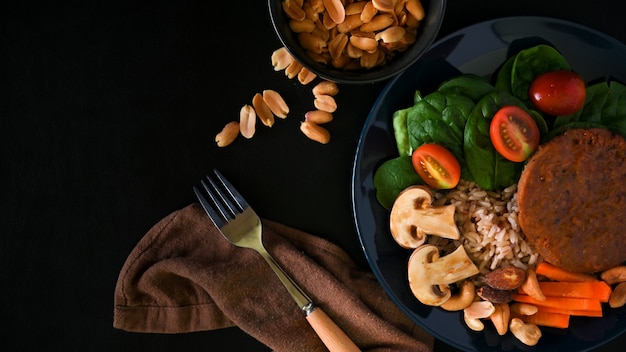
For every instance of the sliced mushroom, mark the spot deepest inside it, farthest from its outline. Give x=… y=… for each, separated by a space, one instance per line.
x=430 y=275
x=412 y=218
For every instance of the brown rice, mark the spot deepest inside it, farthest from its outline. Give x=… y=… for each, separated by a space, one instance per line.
x=489 y=227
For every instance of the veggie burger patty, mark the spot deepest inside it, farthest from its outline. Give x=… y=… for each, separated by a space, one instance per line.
x=572 y=200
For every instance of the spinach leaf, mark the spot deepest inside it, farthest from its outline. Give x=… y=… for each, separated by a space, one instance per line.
x=393 y=176
x=401 y=132
x=605 y=106
x=469 y=85
x=530 y=63
x=487 y=167
x=440 y=118
x=503 y=77
x=400 y=129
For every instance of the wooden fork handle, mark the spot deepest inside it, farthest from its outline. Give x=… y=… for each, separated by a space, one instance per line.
x=333 y=337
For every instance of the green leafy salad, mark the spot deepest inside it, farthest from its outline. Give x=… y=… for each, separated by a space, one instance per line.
x=458 y=114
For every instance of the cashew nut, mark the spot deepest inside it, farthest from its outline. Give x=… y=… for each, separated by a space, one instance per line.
x=528 y=333
x=523 y=308
x=618 y=296
x=500 y=318
x=531 y=286
x=474 y=324
x=475 y=311
x=461 y=299
x=614 y=275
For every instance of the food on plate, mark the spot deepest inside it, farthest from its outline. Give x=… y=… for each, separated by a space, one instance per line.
x=514 y=133
x=537 y=198
x=436 y=166
x=358 y=35
x=413 y=217
x=429 y=274
x=476 y=311
x=461 y=299
x=570 y=197
x=528 y=333
x=557 y=93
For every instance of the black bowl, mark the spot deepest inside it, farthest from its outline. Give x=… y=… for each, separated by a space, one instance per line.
x=428 y=31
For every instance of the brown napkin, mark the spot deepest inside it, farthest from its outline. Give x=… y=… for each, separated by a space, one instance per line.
x=184 y=276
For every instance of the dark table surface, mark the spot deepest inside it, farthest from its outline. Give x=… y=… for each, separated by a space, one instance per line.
x=108 y=114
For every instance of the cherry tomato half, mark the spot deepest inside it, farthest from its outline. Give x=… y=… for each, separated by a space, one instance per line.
x=514 y=133
x=437 y=166
x=558 y=93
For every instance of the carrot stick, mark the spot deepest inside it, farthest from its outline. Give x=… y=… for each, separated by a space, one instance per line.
x=541 y=318
x=585 y=289
x=558 y=274
x=572 y=312
x=562 y=302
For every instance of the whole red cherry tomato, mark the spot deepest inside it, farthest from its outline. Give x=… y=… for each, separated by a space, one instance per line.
x=437 y=166
x=558 y=93
x=514 y=133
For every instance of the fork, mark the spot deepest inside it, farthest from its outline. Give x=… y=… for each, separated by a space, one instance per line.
x=241 y=226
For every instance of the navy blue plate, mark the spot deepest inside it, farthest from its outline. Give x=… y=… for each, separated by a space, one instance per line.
x=478 y=49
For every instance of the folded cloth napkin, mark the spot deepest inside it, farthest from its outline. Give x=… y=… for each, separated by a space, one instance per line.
x=183 y=276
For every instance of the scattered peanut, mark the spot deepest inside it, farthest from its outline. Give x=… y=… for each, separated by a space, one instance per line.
x=228 y=134
x=334 y=33
x=281 y=59
x=293 y=69
x=270 y=104
x=305 y=76
x=315 y=132
x=325 y=103
x=247 y=121
x=276 y=103
x=326 y=88
x=318 y=117
x=263 y=111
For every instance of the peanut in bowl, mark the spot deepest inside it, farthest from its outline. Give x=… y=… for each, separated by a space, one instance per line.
x=356 y=41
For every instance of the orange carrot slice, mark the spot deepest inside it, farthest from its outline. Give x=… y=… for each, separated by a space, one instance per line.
x=582 y=304
x=559 y=274
x=572 y=312
x=599 y=290
x=543 y=318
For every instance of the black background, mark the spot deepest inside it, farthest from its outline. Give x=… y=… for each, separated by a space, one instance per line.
x=108 y=113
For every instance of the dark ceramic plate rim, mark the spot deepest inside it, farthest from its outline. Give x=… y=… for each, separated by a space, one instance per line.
x=479 y=49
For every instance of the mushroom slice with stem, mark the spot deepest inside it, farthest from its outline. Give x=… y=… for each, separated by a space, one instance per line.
x=412 y=218
x=430 y=275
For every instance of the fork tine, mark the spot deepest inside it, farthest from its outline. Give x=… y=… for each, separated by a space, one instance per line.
x=237 y=198
x=209 y=206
